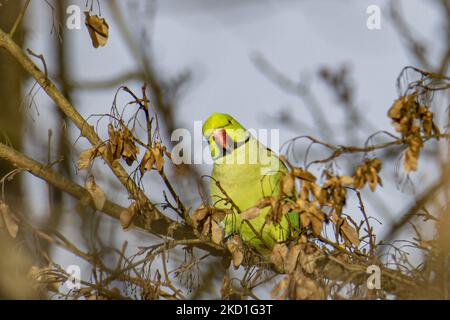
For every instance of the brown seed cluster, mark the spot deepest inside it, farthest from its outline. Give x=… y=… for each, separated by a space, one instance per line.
x=367 y=172
x=208 y=219
x=121 y=144
x=153 y=158
x=415 y=122
x=98 y=29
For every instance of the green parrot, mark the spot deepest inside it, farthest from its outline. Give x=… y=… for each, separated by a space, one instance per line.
x=247 y=171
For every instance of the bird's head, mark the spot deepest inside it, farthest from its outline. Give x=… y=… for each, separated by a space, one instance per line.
x=223 y=133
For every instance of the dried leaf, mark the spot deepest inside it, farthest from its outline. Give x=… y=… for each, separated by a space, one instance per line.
x=206 y=227
x=304 y=191
x=308 y=257
x=308 y=263
x=159 y=157
x=234 y=246
x=305 y=219
x=147 y=162
x=199 y=215
x=85 y=158
x=263 y=202
x=412 y=153
x=376 y=163
x=367 y=173
x=115 y=142
x=349 y=233
x=219 y=214
x=346 y=180
x=250 y=213
x=217 y=232
x=316 y=225
x=279 y=255
x=395 y=112
x=98 y=29
x=304 y=174
x=130 y=150
x=126 y=216
x=287 y=184
x=153 y=157
x=8 y=220
x=285 y=208
x=292 y=257
x=319 y=193
x=97 y=194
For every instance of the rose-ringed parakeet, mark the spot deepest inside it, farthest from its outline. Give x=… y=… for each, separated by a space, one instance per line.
x=247 y=171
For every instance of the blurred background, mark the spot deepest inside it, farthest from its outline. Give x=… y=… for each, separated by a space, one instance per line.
x=305 y=67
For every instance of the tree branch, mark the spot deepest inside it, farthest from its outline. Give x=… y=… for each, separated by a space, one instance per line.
x=162 y=228
x=86 y=130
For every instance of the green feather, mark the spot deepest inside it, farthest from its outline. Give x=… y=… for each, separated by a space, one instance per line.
x=247 y=173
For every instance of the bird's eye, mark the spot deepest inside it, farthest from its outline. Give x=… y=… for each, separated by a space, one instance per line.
x=229 y=122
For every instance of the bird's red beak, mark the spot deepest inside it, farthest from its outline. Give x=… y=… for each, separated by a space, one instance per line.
x=221 y=138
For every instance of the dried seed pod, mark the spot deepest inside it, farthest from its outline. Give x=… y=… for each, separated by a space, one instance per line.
x=98 y=29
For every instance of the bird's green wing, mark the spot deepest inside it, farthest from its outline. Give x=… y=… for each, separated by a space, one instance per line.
x=245 y=184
